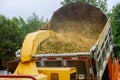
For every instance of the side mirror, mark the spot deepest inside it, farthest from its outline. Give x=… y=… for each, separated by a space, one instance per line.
x=17 y=53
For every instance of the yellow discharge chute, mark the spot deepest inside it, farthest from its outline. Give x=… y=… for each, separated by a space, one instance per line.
x=29 y=47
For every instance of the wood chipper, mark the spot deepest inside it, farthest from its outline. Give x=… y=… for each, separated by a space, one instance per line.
x=77 y=44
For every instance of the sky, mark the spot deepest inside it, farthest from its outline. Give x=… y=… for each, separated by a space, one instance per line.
x=25 y=8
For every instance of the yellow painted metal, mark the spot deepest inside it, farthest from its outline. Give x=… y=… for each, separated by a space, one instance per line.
x=41 y=77
x=29 y=47
x=32 y=41
x=28 y=67
x=62 y=73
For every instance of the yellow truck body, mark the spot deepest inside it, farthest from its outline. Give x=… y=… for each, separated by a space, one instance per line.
x=58 y=73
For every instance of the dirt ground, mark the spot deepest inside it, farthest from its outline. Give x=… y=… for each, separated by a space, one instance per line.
x=78 y=26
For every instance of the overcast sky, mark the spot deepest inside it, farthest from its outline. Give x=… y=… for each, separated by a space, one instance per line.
x=25 y=8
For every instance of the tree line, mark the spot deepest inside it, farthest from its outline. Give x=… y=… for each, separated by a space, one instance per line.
x=13 y=31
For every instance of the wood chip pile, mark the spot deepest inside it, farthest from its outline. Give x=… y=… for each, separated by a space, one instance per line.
x=78 y=26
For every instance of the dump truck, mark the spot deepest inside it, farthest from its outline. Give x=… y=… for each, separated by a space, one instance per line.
x=95 y=62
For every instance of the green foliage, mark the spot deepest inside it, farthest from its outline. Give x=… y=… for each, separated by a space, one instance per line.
x=117 y=51
x=115 y=19
x=98 y=3
x=33 y=24
x=65 y=2
x=34 y=21
x=103 y=5
x=13 y=32
x=9 y=37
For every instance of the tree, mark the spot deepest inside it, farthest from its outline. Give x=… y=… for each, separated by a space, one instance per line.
x=9 y=37
x=98 y=3
x=34 y=23
x=65 y=2
x=13 y=32
x=23 y=29
x=115 y=20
